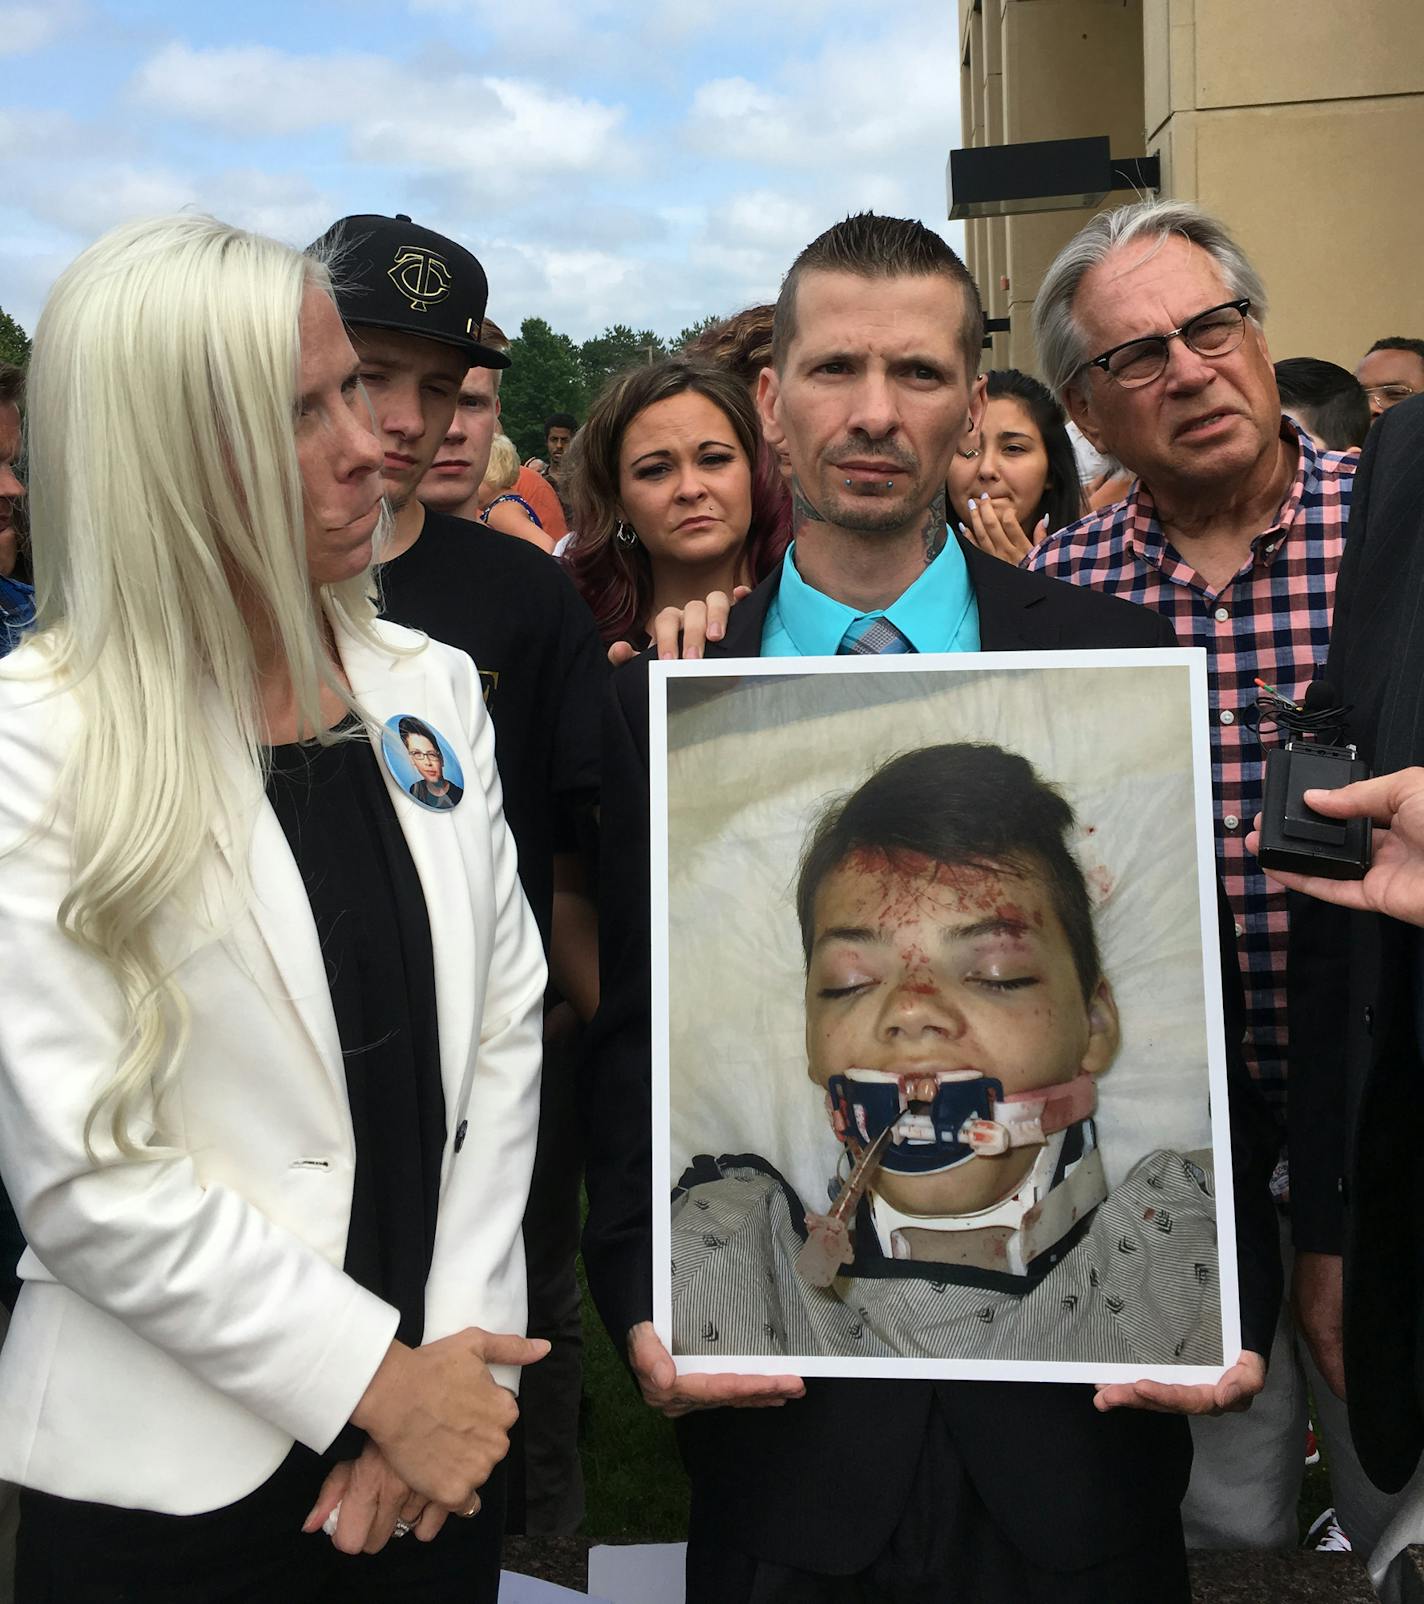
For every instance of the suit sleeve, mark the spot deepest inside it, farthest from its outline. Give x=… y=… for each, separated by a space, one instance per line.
x=1318 y=967
x=615 y=1088
x=192 y=1268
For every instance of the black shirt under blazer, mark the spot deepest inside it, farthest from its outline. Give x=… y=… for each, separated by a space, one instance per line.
x=1075 y=1487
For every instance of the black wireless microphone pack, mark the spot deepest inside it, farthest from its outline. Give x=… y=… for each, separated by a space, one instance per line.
x=1295 y=837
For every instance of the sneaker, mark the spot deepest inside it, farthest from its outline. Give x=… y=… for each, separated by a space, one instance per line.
x=1312 y=1448
x=1325 y=1535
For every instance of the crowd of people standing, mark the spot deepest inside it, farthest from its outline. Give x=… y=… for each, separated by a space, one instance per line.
x=324 y=873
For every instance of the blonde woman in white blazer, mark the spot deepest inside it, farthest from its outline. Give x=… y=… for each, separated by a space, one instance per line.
x=193 y=1382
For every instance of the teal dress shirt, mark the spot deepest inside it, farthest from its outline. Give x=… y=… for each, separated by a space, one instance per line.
x=938 y=613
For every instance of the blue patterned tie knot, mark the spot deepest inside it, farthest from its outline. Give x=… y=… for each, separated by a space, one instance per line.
x=878 y=637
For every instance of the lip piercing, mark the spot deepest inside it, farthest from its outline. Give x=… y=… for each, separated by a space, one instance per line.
x=889 y=483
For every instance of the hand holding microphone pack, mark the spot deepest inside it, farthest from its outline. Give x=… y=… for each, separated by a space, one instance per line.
x=1314 y=756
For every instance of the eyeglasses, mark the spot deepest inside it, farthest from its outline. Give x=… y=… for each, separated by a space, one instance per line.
x=1388 y=395
x=1215 y=332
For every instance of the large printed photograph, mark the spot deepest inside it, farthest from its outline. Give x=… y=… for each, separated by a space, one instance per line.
x=939 y=1078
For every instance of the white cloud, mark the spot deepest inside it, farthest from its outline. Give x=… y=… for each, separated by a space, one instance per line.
x=892 y=100
x=28 y=27
x=608 y=33
x=497 y=136
x=31 y=259
x=502 y=135
x=766 y=218
x=609 y=160
x=36 y=135
x=255 y=89
x=91 y=199
x=287 y=206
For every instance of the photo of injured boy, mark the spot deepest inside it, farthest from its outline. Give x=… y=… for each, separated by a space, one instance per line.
x=959 y=1025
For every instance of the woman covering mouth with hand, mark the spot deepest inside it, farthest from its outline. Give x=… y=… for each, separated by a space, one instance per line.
x=1015 y=479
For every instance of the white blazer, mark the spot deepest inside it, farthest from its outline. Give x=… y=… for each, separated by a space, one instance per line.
x=184 y=1319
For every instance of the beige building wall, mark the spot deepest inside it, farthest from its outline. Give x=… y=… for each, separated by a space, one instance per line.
x=1300 y=124
x=1041 y=69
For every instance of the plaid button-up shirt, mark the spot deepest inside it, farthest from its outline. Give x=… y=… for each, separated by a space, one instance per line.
x=1270 y=620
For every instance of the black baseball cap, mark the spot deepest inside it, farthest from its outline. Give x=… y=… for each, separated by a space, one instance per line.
x=392 y=274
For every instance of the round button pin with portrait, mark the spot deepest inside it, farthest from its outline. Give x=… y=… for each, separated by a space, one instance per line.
x=422 y=762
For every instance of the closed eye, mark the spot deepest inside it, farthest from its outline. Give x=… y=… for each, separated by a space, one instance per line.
x=829 y=993
x=1017 y=984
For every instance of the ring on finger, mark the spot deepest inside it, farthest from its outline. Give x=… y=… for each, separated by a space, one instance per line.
x=401 y=1528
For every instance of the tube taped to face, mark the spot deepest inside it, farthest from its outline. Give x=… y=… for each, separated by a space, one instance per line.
x=941 y=1119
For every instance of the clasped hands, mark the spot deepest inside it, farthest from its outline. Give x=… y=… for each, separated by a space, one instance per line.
x=437 y=1424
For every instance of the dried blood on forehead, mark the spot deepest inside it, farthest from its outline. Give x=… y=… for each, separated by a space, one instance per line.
x=904 y=878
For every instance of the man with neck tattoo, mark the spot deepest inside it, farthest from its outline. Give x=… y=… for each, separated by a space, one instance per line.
x=832 y=1491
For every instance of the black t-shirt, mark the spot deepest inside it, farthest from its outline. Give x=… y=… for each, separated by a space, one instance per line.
x=370 y=915
x=541 y=665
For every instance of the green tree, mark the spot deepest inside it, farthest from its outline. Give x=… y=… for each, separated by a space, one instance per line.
x=545 y=375
x=615 y=350
x=14 y=342
x=690 y=333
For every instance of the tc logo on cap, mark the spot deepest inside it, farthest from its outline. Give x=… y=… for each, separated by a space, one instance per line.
x=421 y=276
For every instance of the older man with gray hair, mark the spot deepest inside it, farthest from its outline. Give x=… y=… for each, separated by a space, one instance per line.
x=1150 y=330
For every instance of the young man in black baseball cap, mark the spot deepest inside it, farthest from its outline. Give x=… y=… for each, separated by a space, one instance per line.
x=413 y=302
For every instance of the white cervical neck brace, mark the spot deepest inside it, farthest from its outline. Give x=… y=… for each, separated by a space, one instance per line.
x=1082 y=1188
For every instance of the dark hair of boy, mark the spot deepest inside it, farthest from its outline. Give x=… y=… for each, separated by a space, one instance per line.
x=1329 y=400
x=410 y=725
x=963 y=805
x=871 y=247
x=560 y=420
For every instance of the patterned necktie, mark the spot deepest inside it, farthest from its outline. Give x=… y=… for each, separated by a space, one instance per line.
x=879 y=636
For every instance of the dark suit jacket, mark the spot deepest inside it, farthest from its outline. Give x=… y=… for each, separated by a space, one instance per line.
x=1356 y=1081
x=1074 y=1486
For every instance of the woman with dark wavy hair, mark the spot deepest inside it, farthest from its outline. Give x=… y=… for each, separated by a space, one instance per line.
x=674 y=495
x=1015 y=480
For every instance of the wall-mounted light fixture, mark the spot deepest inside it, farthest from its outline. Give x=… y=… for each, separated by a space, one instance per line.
x=1047 y=175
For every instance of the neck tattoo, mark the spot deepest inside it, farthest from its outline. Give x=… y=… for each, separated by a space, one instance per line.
x=802 y=512
x=936 y=529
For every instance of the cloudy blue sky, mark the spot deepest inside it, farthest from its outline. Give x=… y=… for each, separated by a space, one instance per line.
x=645 y=161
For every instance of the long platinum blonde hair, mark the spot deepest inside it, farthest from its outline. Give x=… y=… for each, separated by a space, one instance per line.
x=163 y=479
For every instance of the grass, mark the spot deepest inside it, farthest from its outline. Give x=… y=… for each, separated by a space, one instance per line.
x=1315 y=1493
x=634 y=1483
